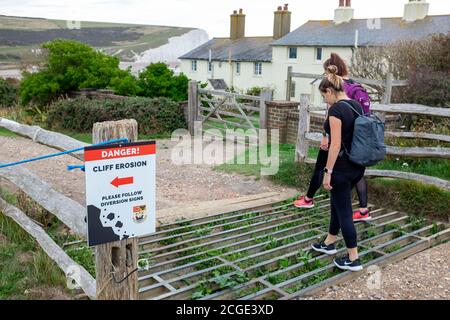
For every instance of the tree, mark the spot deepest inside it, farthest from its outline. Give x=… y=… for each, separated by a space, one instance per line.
x=157 y=80
x=72 y=65
x=424 y=63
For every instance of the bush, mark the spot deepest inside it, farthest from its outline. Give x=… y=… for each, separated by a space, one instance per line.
x=72 y=65
x=157 y=80
x=157 y=115
x=8 y=93
x=423 y=62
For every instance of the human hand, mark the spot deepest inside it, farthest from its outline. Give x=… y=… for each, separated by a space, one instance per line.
x=327 y=181
x=324 y=144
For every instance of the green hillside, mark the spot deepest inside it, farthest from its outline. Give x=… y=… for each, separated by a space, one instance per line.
x=18 y=35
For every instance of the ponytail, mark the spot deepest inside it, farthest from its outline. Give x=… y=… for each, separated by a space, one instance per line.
x=332 y=80
x=336 y=60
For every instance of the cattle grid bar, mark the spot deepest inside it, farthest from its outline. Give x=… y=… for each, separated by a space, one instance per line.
x=265 y=252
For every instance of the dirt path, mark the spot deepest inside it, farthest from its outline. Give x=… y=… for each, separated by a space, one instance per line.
x=177 y=185
x=423 y=276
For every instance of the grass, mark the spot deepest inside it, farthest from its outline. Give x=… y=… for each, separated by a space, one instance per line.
x=6 y=133
x=412 y=197
x=430 y=167
x=290 y=173
x=24 y=267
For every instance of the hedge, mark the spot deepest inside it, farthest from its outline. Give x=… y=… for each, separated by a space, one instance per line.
x=154 y=115
x=8 y=93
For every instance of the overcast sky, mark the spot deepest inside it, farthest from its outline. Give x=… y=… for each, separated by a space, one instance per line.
x=210 y=15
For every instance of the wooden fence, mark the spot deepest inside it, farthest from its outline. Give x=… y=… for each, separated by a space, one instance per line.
x=387 y=83
x=68 y=211
x=305 y=137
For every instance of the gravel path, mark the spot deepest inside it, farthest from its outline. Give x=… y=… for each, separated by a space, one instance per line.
x=176 y=184
x=423 y=276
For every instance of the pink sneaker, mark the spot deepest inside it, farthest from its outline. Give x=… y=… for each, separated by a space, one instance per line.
x=303 y=203
x=361 y=216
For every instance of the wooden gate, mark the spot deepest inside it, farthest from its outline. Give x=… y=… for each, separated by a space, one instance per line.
x=223 y=111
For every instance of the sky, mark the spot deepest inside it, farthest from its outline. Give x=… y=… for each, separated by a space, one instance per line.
x=210 y=15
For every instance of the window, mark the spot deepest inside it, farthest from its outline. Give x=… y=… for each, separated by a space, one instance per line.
x=258 y=68
x=210 y=66
x=292 y=53
x=238 y=68
x=194 y=65
x=318 y=54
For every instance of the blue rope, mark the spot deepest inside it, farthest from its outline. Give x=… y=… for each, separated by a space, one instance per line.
x=59 y=153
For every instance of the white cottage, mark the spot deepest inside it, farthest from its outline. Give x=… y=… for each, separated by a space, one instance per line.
x=244 y=62
x=306 y=48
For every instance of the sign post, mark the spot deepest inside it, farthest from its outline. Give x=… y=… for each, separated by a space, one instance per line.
x=120 y=200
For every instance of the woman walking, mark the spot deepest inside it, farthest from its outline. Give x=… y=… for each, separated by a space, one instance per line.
x=340 y=174
x=356 y=92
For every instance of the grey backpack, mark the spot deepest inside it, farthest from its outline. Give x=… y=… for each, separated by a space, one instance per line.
x=368 y=146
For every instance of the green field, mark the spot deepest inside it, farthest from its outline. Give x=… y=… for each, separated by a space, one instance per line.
x=129 y=38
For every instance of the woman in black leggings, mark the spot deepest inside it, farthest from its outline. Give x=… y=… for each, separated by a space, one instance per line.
x=340 y=174
x=307 y=201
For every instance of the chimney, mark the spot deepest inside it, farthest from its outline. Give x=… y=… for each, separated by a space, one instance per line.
x=281 y=22
x=237 y=26
x=344 y=13
x=415 y=10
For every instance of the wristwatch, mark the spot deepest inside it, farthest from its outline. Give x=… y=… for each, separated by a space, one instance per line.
x=326 y=170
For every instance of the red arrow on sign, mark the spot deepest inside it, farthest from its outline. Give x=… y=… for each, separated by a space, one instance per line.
x=122 y=181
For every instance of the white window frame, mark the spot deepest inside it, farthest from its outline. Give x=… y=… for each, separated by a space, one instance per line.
x=289 y=53
x=210 y=66
x=194 y=65
x=257 y=68
x=316 y=51
x=238 y=68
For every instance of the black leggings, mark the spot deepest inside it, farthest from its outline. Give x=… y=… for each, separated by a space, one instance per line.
x=317 y=178
x=342 y=184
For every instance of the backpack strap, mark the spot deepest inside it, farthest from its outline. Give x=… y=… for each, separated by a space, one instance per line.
x=349 y=104
x=342 y=143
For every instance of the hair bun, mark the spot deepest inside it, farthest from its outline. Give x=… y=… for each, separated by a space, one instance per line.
x=332 y=69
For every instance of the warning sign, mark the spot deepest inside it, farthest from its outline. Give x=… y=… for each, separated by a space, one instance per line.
x=120 y=191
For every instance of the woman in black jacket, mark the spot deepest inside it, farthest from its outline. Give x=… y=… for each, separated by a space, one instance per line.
x=340 y=175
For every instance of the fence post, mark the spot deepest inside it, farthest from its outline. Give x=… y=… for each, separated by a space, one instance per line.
x=119 y=256
x=387 y=93
x=266 y=95
x=193 y=105
x=302 y=146
x=289 y=84
x=388 y=89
